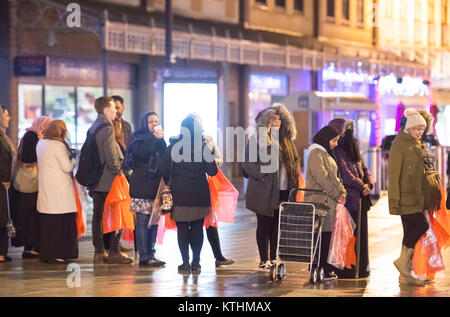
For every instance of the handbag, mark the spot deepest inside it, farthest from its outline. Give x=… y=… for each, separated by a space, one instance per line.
x=26 y=178
x=166 y=199
x=10 y=228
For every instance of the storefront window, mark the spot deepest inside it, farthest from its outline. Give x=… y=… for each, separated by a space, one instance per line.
x=73 y=105
x=443 y=126
x=30 y=106
x=86 y=113
x=264 y=90
x=60 y=105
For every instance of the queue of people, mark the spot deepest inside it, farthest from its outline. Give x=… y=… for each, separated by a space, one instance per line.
x=47 y=226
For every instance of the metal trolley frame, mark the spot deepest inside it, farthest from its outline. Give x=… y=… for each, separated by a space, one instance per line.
x=300 y=236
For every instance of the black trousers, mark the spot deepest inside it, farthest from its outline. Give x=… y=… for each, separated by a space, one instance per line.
x=3 y=241
x=414 y=227
x=97 y=226
x=213 y=237
x=190 y=234
x=267 y=232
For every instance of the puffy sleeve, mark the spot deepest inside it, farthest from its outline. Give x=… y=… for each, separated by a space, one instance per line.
x=324 y=176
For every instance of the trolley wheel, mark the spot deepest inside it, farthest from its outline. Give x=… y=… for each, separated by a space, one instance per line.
x=314 y=276
x=321 y=274
x=273 y=273
x=281 y=271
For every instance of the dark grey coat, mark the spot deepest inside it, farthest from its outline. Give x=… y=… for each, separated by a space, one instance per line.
x=109 y=152
x=263 y=189
x=6 y=159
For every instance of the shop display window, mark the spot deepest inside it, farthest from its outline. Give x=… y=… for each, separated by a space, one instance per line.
x=60 y=105
x=86 y=113
x=30 y=106
x=442 y=126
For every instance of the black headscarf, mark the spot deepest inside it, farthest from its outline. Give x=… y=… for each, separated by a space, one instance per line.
x=137 y=137
x=350 y=146
x=323 y=138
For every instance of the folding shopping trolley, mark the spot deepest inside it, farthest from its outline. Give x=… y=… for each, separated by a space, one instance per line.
x=299 y=235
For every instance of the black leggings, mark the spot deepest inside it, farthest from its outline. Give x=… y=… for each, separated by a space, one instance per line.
x=213 y=237
x=267 y=231
x=414 y=226
x=4 y=241
x=190 y=233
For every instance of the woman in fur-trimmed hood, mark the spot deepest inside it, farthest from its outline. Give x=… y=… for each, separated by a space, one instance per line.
x=265 y=191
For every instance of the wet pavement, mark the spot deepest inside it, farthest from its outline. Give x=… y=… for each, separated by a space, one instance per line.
x=31 y=278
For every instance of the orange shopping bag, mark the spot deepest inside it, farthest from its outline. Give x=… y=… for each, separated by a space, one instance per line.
x=301 y=184
x=79 y=217
x=165 y=223
x=116 y=213
x=223 y=198
x=442 y=218
x=342 y=246
x=427 y=259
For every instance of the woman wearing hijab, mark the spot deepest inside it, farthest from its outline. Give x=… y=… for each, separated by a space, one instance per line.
x=357 y=182
x=186 y=168
x=146 y=146
x=25 y=215
x=322 y=174
x=56 y=197
x=7 y=154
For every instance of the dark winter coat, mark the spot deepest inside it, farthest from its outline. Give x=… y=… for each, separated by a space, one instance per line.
x=263 y=189
x=109 y=153
x=406 y=173
x=145 y=179
x=189 y=185
x=354 y=176
x=6 y=159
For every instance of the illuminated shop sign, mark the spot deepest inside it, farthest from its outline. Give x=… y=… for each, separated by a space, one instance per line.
x=271 y=84
x=30 y=66
x=330 y=73
x=407 y=87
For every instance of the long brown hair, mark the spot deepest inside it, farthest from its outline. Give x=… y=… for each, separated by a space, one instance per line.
x=288 y=133
x=57 y=131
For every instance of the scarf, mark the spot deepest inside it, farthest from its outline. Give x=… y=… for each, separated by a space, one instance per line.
x=323 y=138
x=39 y=125
x=137 y=137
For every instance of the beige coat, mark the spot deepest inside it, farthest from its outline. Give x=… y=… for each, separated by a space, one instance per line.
x=322 y=174
x=56 y=192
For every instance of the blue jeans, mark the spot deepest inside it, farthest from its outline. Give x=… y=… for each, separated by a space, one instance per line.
x=145 y=237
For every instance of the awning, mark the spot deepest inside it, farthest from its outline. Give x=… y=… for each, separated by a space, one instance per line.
x=441 y=97
x=328 y=101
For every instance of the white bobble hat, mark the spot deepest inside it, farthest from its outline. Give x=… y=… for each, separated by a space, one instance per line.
x=413 y=119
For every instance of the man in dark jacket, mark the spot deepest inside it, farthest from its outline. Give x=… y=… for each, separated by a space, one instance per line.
x=111 y=156
x=124 y=126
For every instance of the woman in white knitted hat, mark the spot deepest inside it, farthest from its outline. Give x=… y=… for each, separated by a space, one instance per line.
x=406 y=172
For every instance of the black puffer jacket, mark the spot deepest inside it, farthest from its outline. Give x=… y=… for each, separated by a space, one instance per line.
x=145 y=179
x=189 y=185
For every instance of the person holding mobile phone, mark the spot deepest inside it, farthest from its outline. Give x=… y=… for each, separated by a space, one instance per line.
x=146 y=146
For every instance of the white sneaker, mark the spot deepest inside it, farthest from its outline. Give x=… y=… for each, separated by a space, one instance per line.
x=265 y=265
